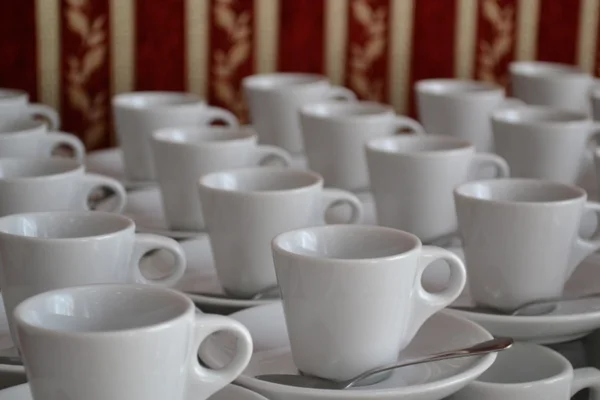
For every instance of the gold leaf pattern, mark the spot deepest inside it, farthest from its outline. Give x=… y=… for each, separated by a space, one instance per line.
x=496 y=49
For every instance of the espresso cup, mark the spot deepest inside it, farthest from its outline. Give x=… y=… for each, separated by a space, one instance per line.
x=122 y=342
x=15 y=105
x=543 y=142
x=520 y=238
x=343 y=128
x=30 y=138
x=53 y=250
x=182 y=155
x=412 y=179
x=352 y=295
x=244 y=209
x=51 y=184
x=551 y=84
x=460 y=108
x=528 y=371
x=274 y=101
x=139 y=114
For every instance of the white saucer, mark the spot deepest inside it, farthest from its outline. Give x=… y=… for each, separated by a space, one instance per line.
x=430 y=381
x=570 y=321
x=229 y=392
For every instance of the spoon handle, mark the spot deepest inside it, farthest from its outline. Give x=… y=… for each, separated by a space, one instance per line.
x=489 y=346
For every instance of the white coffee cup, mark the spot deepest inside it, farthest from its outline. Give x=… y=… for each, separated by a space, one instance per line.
x=551 y=84
x=139 y=114
x=274 y=101
x=15 y=105
x=102 y=342
x=335 y=134
x=53 y=250
x=460 y=108
x=528 y=371
x=520 y=238
x=413 y=177
x=30 y=138
x=244 y=209
x=182 y=155
x=352 y=295
x=50 y=184
x=543 y=142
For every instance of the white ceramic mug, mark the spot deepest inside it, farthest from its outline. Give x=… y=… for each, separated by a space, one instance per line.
x=30 y=138
x=15 y=105
x=52 y=250
x=352 y=295
x=520 y=238
x=528 y=371
x=101 y=342
x=274 y=101
x=543 y=142
x=182 y=155
x=460 y=108
x=245 y=209
x=335 y=134
x=551 y=84
x=51 y=184
x=413 y=177
x=139 y=114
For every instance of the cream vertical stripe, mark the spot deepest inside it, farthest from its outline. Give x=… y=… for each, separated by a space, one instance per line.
x=197 y=46
x=465 y=37
x=400 y=34
x=266 y=14
x=336 y=37
x=122 y=24
x=588 y=26
x=47 y=20
x=528 y=15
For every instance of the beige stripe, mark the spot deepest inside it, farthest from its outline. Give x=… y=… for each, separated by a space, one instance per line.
x=48 y=48
x=588 y=26
x=336 y=36
x=267 y=34
x=122 y=21
x=197 y=46
x=528 y=15
x=401 y=32
x=464 y=39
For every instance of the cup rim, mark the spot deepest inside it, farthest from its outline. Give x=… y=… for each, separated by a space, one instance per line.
x=464 y=191
x=127 y=100
x=545 y=70
x=312 y=110
x=432 y=87
x=253 y=171
x=195 y=136
x=75 y=168
x=257 y=82
x=107 y=287
x=277 y=243
x=22 y=127
x=503 y=115
x=127 y=224
x=13 y=94
x=377 y=145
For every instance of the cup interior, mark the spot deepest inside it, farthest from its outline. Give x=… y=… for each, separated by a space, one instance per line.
x=21 y=168
x=281 y=80
x=64 y=225
x=155 y=99
x=544 y=69
x=102 y=309
x=417 y=144
x=537 y=115
x=456 y=86
x=337 y=109
x=524 y=363
x=520 y=191
x=346 y=242
x=204 y=135
x=261 y=179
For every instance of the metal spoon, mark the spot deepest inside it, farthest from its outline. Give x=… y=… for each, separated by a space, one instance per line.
x=489 y=346
x=270 y=292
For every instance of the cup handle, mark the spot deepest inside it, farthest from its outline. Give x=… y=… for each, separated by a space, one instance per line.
x=403 y=122
x=146 y=242
x=90 y=182
x=584 y=247
x=588 y=377
x=46 y=112
x=221 y=114
x=53 y=139
x=266 y=153
x=335 y=197
x=341 y=93
x=425 y=303
x=481 y=160
x=203 y=382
